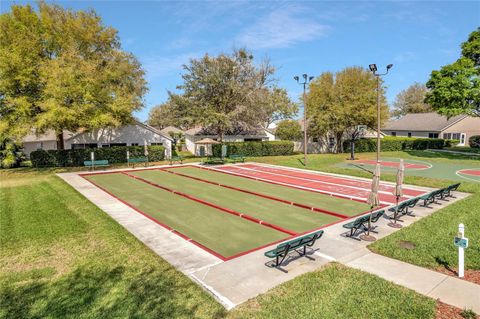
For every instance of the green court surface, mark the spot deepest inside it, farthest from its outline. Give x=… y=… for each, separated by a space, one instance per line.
x=438 y=170
x=224 y=233
x=286 y=216
x=202 y=217
x=331 y=203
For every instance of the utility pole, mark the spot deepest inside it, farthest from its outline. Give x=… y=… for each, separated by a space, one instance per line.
x=306 y=80
x=373 y=68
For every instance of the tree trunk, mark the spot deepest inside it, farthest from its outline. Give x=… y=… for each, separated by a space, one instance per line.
x=339 y=138
x=352 y=149
x=60 y=141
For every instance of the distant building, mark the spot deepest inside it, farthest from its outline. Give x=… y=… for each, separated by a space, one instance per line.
x=235 y=135
x=433 y=125
x=171 y=129
x=135 y=134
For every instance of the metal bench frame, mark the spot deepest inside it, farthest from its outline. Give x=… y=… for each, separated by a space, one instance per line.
x=362 y=223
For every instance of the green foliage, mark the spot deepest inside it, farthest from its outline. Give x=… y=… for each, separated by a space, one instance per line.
x=10 y=153
x=337 y=103
x=468 y=314
x=118 y=154
x=63 y=69
x=390 y=143
x=411 y=100
x=474 y=141
x=289 y=130
x=455 y=89
x=252 y=149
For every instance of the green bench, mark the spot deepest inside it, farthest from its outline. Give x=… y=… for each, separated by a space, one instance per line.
x=177 y=159
x=237 y=158
x=214 y=160
x=282 y=250
x=363 y=223
x=403 y=207
x=93 y=164
x=137 y=160
x=447 y=191
x=442 y=193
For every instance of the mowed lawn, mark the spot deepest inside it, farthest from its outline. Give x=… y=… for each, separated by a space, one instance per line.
x=62 y=257
x=431 y=236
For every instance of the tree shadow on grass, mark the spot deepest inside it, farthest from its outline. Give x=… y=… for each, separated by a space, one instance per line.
x=104 y=293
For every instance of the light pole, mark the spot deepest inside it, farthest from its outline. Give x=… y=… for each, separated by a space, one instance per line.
x=373 y=68
x=306 y=80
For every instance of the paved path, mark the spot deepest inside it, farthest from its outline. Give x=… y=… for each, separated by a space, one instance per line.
x=237 y=280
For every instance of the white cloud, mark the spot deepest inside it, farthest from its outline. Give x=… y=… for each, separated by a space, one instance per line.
x=282 y=28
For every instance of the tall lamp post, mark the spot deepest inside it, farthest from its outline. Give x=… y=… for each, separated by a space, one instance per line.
x=373 y=68
x=305 y=81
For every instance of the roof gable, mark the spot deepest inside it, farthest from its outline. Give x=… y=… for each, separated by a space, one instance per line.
x=422 y=122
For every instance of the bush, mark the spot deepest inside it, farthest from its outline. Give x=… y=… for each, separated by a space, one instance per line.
x=289 y=130
x=253 y=149
x=474 y=141
x=10 y=153
x=390 y=143
x=117 y=154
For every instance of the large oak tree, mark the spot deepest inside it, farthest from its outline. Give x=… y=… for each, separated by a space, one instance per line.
x=411 y=100
x=62 y=69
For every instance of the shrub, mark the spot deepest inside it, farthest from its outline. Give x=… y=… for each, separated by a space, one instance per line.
x=10 y=153
x=474 y=141
x=390 y=143
x=289 y=130
x=117 y=154
x=253 y=149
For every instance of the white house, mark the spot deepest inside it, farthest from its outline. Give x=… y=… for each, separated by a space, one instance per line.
x=235 y=135
x=135 y=134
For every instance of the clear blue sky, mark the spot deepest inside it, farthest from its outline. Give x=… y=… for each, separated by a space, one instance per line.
x=298 y=37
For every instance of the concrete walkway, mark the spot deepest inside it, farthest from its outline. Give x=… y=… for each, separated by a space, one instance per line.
x=237 y=280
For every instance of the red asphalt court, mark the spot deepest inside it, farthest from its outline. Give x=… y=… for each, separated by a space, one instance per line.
x=331 y=179
x=393 y=164
x=337 y=189
x=473 y=172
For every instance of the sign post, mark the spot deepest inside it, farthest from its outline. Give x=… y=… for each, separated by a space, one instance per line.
x=128 y=158
x=461 y=242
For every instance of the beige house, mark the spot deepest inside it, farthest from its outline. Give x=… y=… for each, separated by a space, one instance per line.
x=433 y=125
x=193 y=135
x=135 y=134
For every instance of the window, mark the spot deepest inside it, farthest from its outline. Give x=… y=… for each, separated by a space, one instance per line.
x=156 y=144
x=315 y=140
x=134 y=144
x=432 y=135
x=82 y=146
x=452 y=136
x=409 y=134
x=252 y=140
x=394 y=133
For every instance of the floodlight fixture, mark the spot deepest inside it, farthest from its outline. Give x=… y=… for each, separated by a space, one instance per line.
x=373 y=67
x=305 y=76
x=310 y=78
x=389 y=66
x=296 y=78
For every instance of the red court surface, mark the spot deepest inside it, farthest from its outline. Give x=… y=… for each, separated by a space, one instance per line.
x=333 y=185
x=472 y=172
x=394 y=164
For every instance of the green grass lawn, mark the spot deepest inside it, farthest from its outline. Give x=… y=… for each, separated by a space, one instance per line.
x=432 y=236
x=63 y=257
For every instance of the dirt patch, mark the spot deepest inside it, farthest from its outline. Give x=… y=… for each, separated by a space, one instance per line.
x=470 y=275
x=445 y=311
x=407 y=245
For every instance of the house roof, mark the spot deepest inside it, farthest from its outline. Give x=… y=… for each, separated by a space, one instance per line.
x=169 y=129
x=209 y=131
x=423 y=122
x=207 y=141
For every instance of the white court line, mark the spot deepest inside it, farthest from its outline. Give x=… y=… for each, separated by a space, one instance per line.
x=221 y=298
x=322 y=182
x=470 y=179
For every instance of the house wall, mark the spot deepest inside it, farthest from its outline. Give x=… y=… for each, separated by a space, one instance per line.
x=270 y=136
x=469 y=126
x=128 y=134
x=29 y=147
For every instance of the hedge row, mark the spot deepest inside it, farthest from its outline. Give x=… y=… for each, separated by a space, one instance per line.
x=116 y=154
x=474 y=141
x=389 y=143
x=252 y=149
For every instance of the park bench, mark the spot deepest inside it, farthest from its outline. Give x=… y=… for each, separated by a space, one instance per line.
x=214 y=160
x=447 y=191
x=176 y=159
x=363 y=223
x=432 y=197
x=237 y=158
x=403 y=207
x=137 y=160
x=93 y=164
x=298 y=244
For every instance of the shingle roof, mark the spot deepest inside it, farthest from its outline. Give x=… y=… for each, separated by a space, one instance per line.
x=422 y=122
